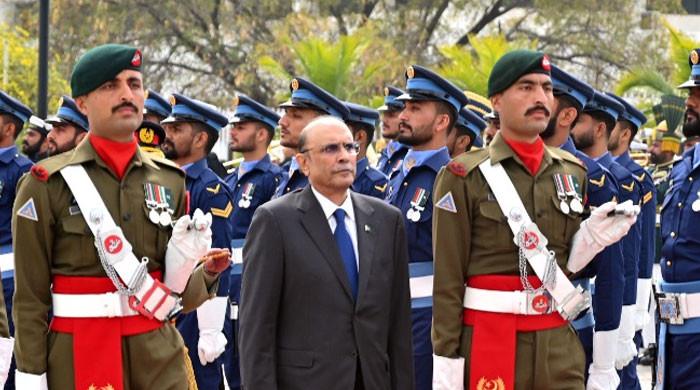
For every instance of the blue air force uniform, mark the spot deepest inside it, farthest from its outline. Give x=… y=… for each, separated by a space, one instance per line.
x=392 y=155
x=12 y=167
x=410 y=189
x=210 y=194
x=679 y=334
x=607 y=266
x=306 y=94
x=252 y=184
x=368 y=180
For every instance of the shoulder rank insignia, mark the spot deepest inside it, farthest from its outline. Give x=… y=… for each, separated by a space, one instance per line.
x=600 y=182
x=640 y=178
x=28 y=210
x=223 y=213
x=628 y=187
x=647 y=197
x=381 y=188
x=457 y=169
x=215 y=189
x=447 y=203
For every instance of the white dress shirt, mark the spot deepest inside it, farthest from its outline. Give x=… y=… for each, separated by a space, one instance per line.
x=329 y=208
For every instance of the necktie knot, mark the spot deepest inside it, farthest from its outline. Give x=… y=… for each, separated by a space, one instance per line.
x=339 y=215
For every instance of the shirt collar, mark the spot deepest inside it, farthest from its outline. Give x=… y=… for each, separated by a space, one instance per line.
x=196 y=168
x=293 y=166
x=329 y=207
x=623 y=159
x=499 y=151
x=8 y=153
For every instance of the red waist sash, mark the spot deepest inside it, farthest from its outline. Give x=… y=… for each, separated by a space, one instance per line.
x=97 y=342
x=492 y=356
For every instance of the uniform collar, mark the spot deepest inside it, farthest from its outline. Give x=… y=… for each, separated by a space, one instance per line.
x=569 y=146
x=197 y=167
x=8 y=154
x=624 y=159
x=606 y=159
x=433 y=159
x=499 y=151
x=394 y=146
x=85 y=152
x=293 y=166
x=696 y=156
x=261 y=165
x=361 y=165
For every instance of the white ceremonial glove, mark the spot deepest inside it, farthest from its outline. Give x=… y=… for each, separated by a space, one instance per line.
x=191 y=239
x=211 y=316
x=7 y=345
x=601 y=373
x=641 y=315
x=599 y=231
x=626 y=349
x=26 y=381
x=448 y=373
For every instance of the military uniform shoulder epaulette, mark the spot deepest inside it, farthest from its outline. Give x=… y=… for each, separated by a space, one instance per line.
x=375 y=174
x=167 y=163
x=22 y=161
x=566 y=156
x=44 y=169
x=467 y=162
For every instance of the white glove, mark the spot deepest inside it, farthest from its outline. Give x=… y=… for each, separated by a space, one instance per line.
x=601 y=373
x=448 y=373
x=599 y=231
x=26 y=381
x=191 y=239
x=211 y=316
x=626 y=349
x=641 y=315
x=6 y=347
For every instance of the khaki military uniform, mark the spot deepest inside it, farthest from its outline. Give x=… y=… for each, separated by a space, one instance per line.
x=59 y=242
x=476 y=240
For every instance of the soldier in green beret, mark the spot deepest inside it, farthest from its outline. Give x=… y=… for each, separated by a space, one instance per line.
x=501 y=306
x=97 y=246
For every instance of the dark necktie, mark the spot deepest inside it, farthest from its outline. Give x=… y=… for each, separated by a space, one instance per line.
x=347 y=252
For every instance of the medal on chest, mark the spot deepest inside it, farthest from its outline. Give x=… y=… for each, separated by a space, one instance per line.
x=567 y=188
x=420 y=198
x=247 y=196
x=159 y=204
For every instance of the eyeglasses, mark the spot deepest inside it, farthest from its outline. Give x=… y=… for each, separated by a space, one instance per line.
x=331 y=149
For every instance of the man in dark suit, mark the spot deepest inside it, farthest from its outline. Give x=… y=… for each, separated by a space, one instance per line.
x=309 y=318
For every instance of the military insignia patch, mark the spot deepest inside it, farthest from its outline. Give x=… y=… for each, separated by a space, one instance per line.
x=223 y=213
x=40 y=173
x=386 y=91
x=447 y=203
x=647 y=197
x=457 y=169
x=381 y=188
x=410 y=72
x=146 y=135
x=28 y=210
x=295 y=84
x=546 y=65
x=628 y=187
x=235 y=101
x=173 y=100
x=599 y=182
x=694 y=57
x=490 y=384
x=136 y=59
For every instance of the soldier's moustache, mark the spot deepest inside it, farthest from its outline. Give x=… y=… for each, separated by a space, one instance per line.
x=125 y=104
x=406 y=125
x=535 y=108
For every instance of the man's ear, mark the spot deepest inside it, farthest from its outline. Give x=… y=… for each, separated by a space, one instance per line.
x=80 y=102
x=303 y=161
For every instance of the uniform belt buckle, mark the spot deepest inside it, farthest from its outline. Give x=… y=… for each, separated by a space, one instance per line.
x=538 y=302
x=670 y=308
x=582 y=299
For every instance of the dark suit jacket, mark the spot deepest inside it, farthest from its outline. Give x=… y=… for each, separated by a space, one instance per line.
x=299 y=326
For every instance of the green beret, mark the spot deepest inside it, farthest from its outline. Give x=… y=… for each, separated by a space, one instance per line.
x=101 y=64
x=514 y=65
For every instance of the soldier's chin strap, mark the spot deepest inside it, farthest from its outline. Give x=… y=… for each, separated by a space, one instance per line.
x=147 y=296
x=570 y=300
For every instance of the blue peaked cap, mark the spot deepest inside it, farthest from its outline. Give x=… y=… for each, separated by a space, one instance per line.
x=12 y=106
x=566 y=84
x=192 y=110
x=424 y=84
x=306 y=94
x=248 y=109
x=68 y=112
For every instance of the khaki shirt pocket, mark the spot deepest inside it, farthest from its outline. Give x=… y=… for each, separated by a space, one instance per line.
x=76 y=246
x=492 y=226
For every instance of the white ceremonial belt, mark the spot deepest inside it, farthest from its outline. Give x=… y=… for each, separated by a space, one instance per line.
x=7 y=262
x=151 y=298
x=570 y=300
x=421 y=286
x=510 y=302
x=107 y=305
x=674 y=308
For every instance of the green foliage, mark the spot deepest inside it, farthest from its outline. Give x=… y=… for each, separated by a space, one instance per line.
x=469 y=67
x=644 y=78
x=23 y=69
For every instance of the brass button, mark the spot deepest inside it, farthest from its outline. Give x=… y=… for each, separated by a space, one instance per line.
x=668 y=263
x=673 y=234
x=690 y=179
x=680 y=204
